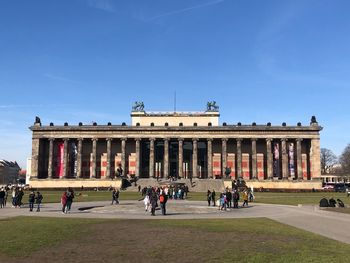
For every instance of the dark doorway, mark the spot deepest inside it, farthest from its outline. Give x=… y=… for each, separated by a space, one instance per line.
x=173 y=158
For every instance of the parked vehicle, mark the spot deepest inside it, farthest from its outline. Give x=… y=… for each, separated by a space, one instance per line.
x=340 y=188
x=328 y=187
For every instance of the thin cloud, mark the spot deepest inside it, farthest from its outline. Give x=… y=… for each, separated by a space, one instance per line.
x=104 y=5
x=186 y=9
x=54 y=77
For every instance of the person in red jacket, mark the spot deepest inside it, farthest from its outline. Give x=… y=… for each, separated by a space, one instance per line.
x=64 y=202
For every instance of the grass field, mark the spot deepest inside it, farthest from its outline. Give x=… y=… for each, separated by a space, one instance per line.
x=265 y=197
x=28 y=239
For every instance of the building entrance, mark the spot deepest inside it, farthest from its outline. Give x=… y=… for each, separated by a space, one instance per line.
x=173 y=159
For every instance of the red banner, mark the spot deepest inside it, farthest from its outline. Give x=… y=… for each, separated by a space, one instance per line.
x=60 y=159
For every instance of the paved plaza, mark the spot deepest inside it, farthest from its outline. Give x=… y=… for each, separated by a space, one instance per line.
x=311 y=218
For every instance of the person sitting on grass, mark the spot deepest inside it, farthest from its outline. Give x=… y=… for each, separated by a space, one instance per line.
x=332 y=202
x=340 y=203
x=324 y=202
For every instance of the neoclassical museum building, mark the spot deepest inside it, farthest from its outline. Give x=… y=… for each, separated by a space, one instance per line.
x=192 y=145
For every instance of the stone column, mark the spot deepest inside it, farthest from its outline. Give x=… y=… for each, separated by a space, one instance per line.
x=35 y=158
x=109 y=153
x=180 y=164
x=315 y=158
x=151 y=158
x=137 y=150
x=194 y=158
x=299 y=160
x=284 y=159
x=123 y=143
x=166 y=158
x=79 y=157
x=210 y=158
x=50 y=167
x=253 y=158
x=223 y=157
x=269 y=159
x=65 y=158
x=239 y=157
x=93 y=159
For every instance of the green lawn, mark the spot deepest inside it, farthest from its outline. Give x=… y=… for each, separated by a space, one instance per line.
x=35 y=239
x=265 y=197
x=298 y=198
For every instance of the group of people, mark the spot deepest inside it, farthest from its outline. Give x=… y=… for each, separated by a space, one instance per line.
x=172 y=191
x=67 y=200
x=35 y=198
x=229 y=199
x=17 y=194
x=151 y=197
x=331 y=202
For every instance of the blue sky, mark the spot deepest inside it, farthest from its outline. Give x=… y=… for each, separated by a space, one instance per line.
x=89 y=60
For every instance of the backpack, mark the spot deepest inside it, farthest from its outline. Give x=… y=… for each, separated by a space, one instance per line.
x=161 y=198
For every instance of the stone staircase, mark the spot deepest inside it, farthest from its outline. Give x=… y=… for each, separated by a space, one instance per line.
x=198 y=185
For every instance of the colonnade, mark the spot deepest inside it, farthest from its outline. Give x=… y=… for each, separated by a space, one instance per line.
x=268 y=156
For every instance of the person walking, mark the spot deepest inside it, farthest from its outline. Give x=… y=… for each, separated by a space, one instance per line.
x=117 y=197
x=14 y=197
x=229 y=198
x=2 y=197
x=162 y=200
x=146 y=201
x=6 y=195
x=235 y=197
x=209 y=197
x=39 y=199
x=245 y=198
x=31 y=199
x=113 y=196
x=20 y=197
x=153 y=201
x=213 y=197
x=64 y=202
x=70 y=197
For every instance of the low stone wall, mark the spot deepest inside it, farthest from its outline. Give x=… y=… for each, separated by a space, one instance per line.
x=64 y=183
x=295 y=185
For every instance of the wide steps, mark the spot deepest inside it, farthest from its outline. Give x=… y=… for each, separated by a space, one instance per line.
x=198 y=185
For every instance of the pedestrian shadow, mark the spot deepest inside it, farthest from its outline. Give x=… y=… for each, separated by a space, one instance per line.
x=89 y=207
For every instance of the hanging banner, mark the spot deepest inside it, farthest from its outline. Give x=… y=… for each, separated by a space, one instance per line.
x=276 y=160
x=73 y=159
x=291 y=160
x=60 y=159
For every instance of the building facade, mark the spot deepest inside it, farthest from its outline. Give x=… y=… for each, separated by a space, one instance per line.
x=9 y=172
x=175 y=144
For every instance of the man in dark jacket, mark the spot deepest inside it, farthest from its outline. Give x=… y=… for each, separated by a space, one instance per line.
x=229 y=198
x=31 y=199
x=70 y=197
x=39 y=199
x=2 y=197
x=213 y=197
x=153 y=201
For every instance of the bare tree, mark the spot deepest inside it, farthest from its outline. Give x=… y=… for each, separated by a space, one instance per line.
x=328 y=158
x=345 y=159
